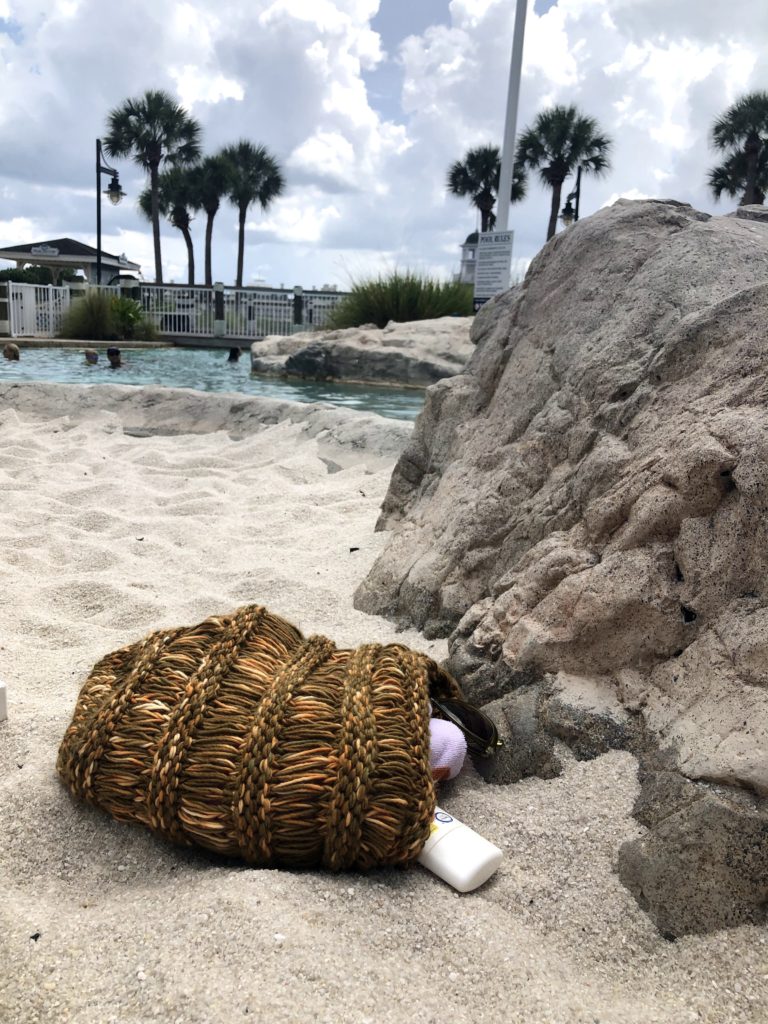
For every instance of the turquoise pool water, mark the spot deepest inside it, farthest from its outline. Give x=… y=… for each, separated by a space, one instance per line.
x=206 y=370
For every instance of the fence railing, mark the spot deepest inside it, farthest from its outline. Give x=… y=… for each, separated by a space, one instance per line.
x=177 y=311
x=242 y=313
x=36 y=310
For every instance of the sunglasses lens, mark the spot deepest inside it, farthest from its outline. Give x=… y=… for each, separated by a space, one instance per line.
x=481 y=734
x=477 y=722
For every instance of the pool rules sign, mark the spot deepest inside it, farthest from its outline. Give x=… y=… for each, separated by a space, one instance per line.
x=492 y=265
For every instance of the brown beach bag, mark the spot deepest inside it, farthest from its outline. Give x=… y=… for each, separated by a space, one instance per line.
x=241 y=736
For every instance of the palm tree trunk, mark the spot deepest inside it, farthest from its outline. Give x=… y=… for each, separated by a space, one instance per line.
x=190 y=256
x=154 y=191
x=208 y=242
x=557 y=187
x=485 y=202
x=752 y=150
x=242 y=211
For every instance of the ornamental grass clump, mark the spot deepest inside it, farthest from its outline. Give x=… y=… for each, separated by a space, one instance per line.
x=101 y=317
x=403 y=297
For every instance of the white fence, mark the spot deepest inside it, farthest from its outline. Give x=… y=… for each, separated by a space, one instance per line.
x=179 y=312
x=36 y=310
x=242 y=314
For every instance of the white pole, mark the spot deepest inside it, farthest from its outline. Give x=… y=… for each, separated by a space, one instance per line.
x=510 y=127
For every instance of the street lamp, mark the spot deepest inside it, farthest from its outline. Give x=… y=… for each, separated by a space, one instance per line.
x=114 y=194
x=570 y=214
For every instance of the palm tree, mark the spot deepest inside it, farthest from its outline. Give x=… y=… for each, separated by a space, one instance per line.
x=477 y=176
x=742 y=131
x=730 y=177
x=175 y=198
x=210 y=182
x=254 y=177
x=153 y=128
x=560 y=141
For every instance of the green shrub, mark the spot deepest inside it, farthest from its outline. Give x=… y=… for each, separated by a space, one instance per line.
x=35 y=275
x=98 y=316
x=402 y=297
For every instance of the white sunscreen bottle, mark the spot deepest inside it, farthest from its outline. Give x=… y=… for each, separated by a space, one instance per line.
x=457 y=854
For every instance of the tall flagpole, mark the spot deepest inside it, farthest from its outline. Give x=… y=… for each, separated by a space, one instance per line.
x=510 y=126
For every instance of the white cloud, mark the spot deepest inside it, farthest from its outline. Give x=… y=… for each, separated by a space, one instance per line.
x=17 y=228
x=196 y=86
x=296 y=220
x=549 y=50
x=329 y=152
x=631 y=193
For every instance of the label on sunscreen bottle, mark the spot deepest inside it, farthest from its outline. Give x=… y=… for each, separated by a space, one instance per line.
x=457 y=854
x=442 y=825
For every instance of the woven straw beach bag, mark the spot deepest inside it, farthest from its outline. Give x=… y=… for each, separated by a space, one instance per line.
x=241 y=736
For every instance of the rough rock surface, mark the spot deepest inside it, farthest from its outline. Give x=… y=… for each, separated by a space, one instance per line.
x=527 y=750
x=590 y=498
x=704 y=863
x=415 y=354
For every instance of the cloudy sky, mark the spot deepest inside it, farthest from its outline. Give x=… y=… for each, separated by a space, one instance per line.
x=365 y=103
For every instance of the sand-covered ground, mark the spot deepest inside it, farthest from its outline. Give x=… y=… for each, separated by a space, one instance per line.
x=104 y=536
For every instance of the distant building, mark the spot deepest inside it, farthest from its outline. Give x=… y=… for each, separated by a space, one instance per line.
x=66 y=254
x=466 y=273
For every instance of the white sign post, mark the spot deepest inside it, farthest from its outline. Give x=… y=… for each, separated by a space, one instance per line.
x=494 y=248
x=492 y=265
x=510 y=124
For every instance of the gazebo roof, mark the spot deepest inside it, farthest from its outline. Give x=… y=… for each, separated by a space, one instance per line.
x=63 y=252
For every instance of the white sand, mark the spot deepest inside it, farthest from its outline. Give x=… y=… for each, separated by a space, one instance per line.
x=106 y=536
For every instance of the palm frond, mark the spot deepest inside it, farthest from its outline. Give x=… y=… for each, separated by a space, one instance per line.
x=730 y=177
x=560 y=140
x=152 y=128
x=253 y=175
x=748 y=116
x=478 y=176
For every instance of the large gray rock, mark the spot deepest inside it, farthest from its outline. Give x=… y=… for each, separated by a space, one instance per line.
x=590 y=497
x=526 y=749
x=583 y=714
x=415 y=354
x=702 y=866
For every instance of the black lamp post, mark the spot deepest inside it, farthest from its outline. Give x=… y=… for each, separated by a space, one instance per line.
x=570 y=213
x=113 y=192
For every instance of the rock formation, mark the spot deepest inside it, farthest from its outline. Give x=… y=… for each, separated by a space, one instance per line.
x=585 y=511
x=415 y=354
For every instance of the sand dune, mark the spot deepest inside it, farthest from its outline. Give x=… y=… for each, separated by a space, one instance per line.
x=105 y=536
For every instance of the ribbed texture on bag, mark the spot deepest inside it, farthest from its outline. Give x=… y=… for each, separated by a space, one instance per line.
x=241 y=736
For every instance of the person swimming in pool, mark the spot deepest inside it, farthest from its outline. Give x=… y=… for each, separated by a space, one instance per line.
x=113 y=355
x=91 y=356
